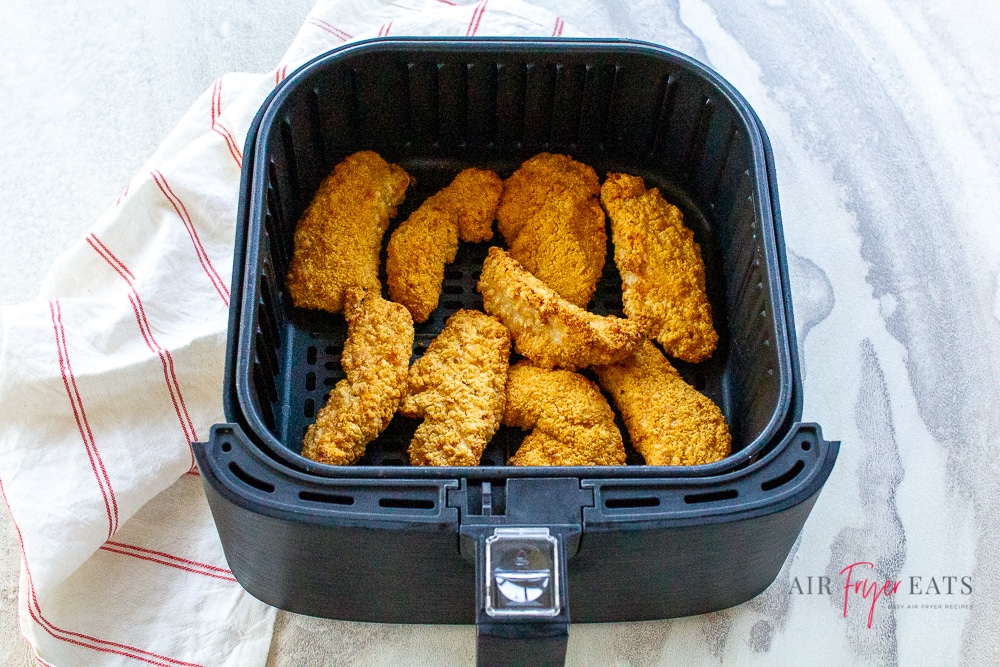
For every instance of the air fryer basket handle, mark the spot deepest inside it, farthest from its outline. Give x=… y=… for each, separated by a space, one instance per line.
x=520 y=541
x=522 y=601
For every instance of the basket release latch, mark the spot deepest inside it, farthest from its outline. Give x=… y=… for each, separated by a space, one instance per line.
x=521 y=536
x=523 y=610
x=522 y=573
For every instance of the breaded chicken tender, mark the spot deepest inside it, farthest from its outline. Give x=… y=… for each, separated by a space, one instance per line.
x=663 y=275
x=546 y=328
x=458 y=389
x=418 y=251
x=670 y=423
x=475 y=194
x=338 y=238
x=573 y=424
x=376 y=359
x=425 y=242
x=554 y=226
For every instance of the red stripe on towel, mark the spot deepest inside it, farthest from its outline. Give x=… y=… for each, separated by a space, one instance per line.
x=477 y=16
x=279 y=74
x=216 y=101
x=199 y=249
x=161 y=554
x=332 y=29
x=152 y=558
x=79 y=639
x=220 y=129
x=166 y=360
x=122 y=195
x=82 y=423
x=234 y=149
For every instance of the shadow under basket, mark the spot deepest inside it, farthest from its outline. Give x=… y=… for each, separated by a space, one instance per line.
x=519 y=551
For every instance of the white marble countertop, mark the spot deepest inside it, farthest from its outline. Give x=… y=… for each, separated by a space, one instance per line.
x=885 y=124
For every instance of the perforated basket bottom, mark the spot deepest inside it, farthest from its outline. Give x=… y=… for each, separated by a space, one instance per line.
x=315 y=340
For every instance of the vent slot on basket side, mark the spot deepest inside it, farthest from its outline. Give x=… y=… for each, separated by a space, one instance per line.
x=261 y=382
x=276 y=222
x=595 y=106
x=302 y=134
x=294 y=184
x=570 y=81
x=539 y=100
x=482 y=104
x=316 y=127
x=511 y=86
x=718 y=155
x=785 y=477
x=680 y=111
x=267 y=311
x=629 y=503
x=336 y=106
x=407 y=503
x=695 y=146
x=266 y=343
x=267 y=362
x=453 y=103
x=328 y=498
x=568 y=105
x=382 y=102
x=711 y=496
x=667 y=93
x=423 y=102
x=249 y=479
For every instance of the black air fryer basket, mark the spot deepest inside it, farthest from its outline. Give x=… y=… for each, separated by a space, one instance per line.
x=518 y=551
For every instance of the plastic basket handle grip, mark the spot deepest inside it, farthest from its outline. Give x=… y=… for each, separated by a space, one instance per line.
x=522 y=614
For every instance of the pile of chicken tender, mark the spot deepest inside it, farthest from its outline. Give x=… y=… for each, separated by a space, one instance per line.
x=551 y=213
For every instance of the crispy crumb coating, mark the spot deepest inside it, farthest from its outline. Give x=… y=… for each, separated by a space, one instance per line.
x=571 y=421
x=554 y=226
x=375 y=360
x=663 y=275
x=475 y=194
x=458 y=389
x=338 y=238
x=670 y=423
x=418 y=251
x=425 y=242
x=546 y=328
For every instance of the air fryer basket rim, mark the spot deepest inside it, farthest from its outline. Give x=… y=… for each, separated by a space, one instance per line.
x=238 y=404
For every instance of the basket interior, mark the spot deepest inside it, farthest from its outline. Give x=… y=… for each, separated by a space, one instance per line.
x=438 y=108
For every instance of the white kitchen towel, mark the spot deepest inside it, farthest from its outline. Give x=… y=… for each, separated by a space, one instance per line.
x=108 y=377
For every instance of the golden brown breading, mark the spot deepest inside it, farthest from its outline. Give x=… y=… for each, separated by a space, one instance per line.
x=573 y=424
x=546 y=328
x=375 y=360
x=425 y=242
x=670 y=423
x=475 y=194
x=458 y=388
x=554 y=226
x=663 y=275
x=338 y=238
x=418 y=251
